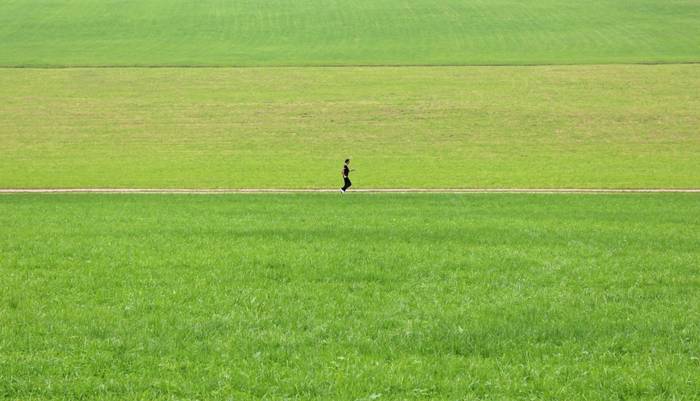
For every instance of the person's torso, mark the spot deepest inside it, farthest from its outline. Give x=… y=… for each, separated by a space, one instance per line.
x=346 y=170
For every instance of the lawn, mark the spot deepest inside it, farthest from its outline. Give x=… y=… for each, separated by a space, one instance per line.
x=357 y=296
x=350 y=297
x=350 y=32
x=426 y=127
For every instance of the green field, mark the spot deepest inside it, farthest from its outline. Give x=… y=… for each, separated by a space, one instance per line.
x=355 y=297
x=350 y=32
x=454 y=127
x=320 y=297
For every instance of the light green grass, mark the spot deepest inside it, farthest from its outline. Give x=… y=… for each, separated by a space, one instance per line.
x=427 y=127
x=331 y=297
x=322 y=32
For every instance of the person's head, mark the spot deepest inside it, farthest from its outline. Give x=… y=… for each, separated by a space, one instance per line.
x=347 y=161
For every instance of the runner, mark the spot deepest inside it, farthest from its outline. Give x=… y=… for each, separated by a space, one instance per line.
x=346 y=176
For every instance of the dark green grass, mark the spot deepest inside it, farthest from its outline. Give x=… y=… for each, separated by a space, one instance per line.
x=348 y=32
x=320 y=297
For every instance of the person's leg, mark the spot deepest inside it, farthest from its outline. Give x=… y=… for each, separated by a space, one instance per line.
x=346 y=184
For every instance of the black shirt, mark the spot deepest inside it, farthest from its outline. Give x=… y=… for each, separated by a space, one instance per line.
x=346 y=171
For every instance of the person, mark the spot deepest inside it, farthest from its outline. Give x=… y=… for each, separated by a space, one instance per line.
x=346 y=176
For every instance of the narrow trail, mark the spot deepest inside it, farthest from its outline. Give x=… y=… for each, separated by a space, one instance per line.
x=363 y=191
x=335 y=66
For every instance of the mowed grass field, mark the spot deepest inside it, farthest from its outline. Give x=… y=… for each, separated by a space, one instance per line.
x=356 y=297
x=424 y=127
x=351 y=32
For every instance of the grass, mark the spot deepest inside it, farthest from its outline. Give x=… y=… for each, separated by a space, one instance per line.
x=427 y=127
x=355 y=297
x=358 y=32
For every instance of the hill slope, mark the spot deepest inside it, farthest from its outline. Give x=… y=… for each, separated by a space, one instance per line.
x=425 y=127
x=350 y=32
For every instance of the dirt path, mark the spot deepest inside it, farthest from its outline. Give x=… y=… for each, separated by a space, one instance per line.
x=373 y=191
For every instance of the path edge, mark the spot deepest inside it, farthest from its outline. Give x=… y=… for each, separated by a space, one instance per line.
x=324 y=190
